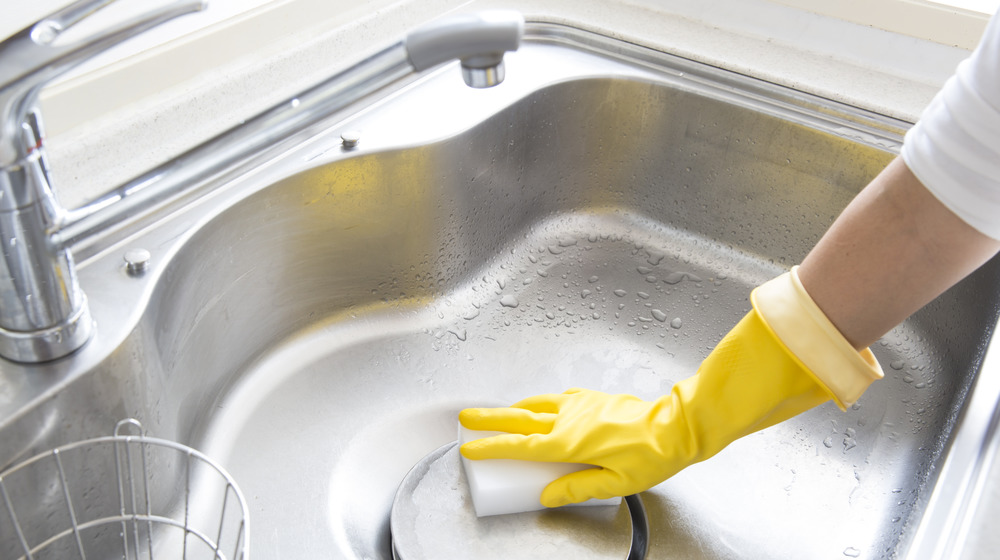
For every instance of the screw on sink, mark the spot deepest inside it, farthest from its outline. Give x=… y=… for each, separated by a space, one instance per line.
x=350 y=138
x=136 y=261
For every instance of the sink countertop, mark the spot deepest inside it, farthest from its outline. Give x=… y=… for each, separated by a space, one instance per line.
x=280 y=49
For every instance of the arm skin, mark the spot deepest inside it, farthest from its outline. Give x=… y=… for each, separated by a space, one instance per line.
x=893 y=249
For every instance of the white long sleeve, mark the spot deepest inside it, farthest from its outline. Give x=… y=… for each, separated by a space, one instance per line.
x=955 y=147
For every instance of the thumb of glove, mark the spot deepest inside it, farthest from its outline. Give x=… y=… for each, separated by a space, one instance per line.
x=580 y=486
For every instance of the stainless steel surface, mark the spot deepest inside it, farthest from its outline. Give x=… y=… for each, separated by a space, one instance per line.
x=955 y=513
x=43 y=313
x=127 y=510
x=432 y=516
x=596 y=220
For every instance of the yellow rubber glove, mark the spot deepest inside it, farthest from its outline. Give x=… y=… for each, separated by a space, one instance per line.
x=783 y=358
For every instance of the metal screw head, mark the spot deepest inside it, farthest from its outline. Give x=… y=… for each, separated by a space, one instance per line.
x=350 y=138
x=136 y=261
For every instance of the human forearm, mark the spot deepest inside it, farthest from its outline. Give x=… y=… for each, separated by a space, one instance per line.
x=892 y=250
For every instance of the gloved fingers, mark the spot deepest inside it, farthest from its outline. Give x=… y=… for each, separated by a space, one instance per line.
x=511 y=420
x=505 y=446
x=581 y=486
x=545 y=403
x=550 y=402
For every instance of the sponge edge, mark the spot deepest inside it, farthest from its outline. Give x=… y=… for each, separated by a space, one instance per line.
x=500 y=486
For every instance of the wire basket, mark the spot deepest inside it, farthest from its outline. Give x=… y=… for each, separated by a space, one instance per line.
x=124 y=497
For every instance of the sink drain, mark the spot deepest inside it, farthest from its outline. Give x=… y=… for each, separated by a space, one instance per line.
x=433 y=517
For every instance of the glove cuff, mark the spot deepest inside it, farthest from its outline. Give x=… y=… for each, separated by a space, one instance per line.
x=806 y=332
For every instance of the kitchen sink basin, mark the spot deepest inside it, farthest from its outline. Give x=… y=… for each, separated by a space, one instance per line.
x=315 y=323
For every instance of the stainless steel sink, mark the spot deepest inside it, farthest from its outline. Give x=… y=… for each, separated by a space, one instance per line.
x=598 y=220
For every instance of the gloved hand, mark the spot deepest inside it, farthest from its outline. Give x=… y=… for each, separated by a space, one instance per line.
x=783 y=358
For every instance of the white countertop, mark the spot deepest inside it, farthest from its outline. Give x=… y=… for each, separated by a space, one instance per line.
x=146 y=103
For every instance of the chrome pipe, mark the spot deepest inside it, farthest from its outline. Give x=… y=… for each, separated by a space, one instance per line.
x=237 y=144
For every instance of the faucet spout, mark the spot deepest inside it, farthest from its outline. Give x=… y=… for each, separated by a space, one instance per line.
x=478 y=40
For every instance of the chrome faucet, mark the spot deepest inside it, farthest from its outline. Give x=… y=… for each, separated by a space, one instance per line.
x=43 y=311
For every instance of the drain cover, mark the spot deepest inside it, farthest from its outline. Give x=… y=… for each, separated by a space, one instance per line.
x=432 y=517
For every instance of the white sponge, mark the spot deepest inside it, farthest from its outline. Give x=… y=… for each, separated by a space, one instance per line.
x=501 y=486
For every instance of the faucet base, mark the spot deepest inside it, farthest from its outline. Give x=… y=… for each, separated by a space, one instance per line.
x=51 y=343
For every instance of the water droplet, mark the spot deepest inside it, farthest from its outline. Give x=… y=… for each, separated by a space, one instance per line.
x=897 y=364
x=644 y=270
x=651 y=279
x=509 y=301
x=471 y=315
x=585 y=293
x=659 y=315
x=596 y=315
x=674 y=277
x=502 y=282
x=676 y=323
x=460 y=334
x=643 y=295
x=852 y=552
x=620 y=293
x=828 y=442
x=593 y=279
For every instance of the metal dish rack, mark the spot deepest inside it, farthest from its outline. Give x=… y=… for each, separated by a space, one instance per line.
x=126 y=496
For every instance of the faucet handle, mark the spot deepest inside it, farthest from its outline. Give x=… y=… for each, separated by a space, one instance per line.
x=31 y=58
